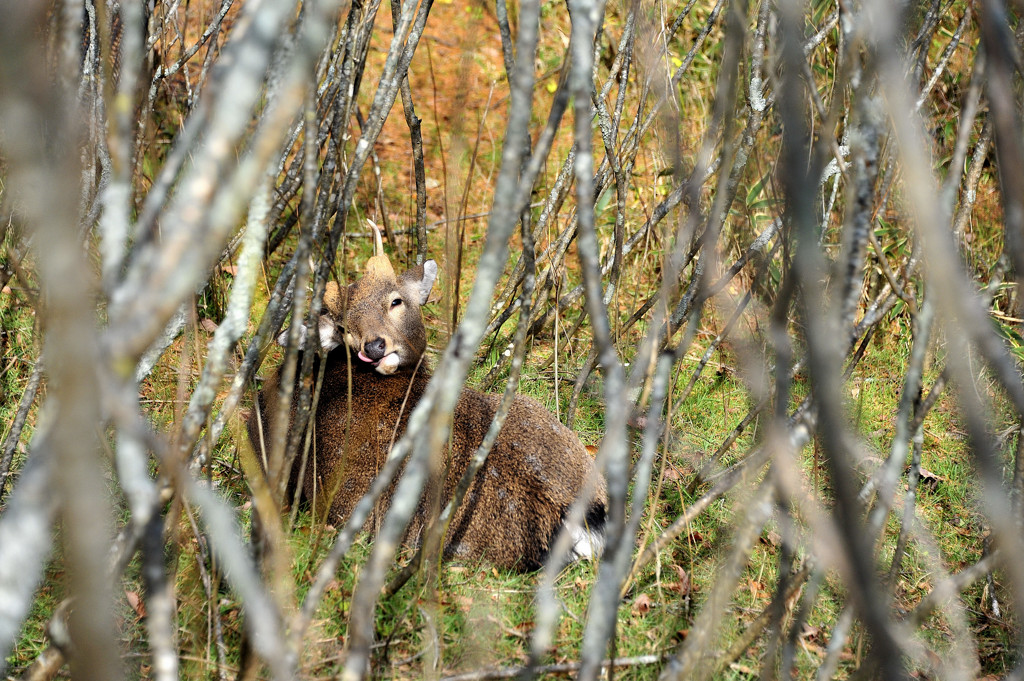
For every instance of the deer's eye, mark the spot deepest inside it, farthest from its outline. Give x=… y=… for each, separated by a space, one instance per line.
x=396 y=302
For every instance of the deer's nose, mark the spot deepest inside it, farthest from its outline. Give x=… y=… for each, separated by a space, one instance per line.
x=374 y=349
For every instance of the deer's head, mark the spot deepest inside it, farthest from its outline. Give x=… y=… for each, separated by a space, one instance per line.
x=378 y=316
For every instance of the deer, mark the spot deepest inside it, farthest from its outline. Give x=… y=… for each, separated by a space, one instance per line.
x=372 y=338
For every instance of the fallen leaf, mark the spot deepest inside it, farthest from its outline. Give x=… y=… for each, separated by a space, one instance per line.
x=135 y=601
x=641 y=605
x=209 y=326
x=812 y=648
x=523 y=629
x=930 y=479
x=684 y=580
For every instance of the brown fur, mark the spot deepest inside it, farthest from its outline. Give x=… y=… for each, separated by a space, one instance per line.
x=519 y=498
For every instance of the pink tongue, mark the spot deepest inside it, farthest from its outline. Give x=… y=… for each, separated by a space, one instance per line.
x=365 y=358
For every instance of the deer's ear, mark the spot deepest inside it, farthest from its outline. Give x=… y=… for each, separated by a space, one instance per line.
x=421 y=279
x=282 y=338
x=329 y=336
x=334 y=299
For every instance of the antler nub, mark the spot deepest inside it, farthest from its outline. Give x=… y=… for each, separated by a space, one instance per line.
x=378 y=242
x=379 y=263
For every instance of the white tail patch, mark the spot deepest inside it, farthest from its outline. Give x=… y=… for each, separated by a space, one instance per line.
x=586 y=543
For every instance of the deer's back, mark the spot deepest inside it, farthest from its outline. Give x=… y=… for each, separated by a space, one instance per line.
x=519 y=498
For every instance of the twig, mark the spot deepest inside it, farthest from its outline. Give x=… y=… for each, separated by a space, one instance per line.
x=14 y=434
x=560 y=668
